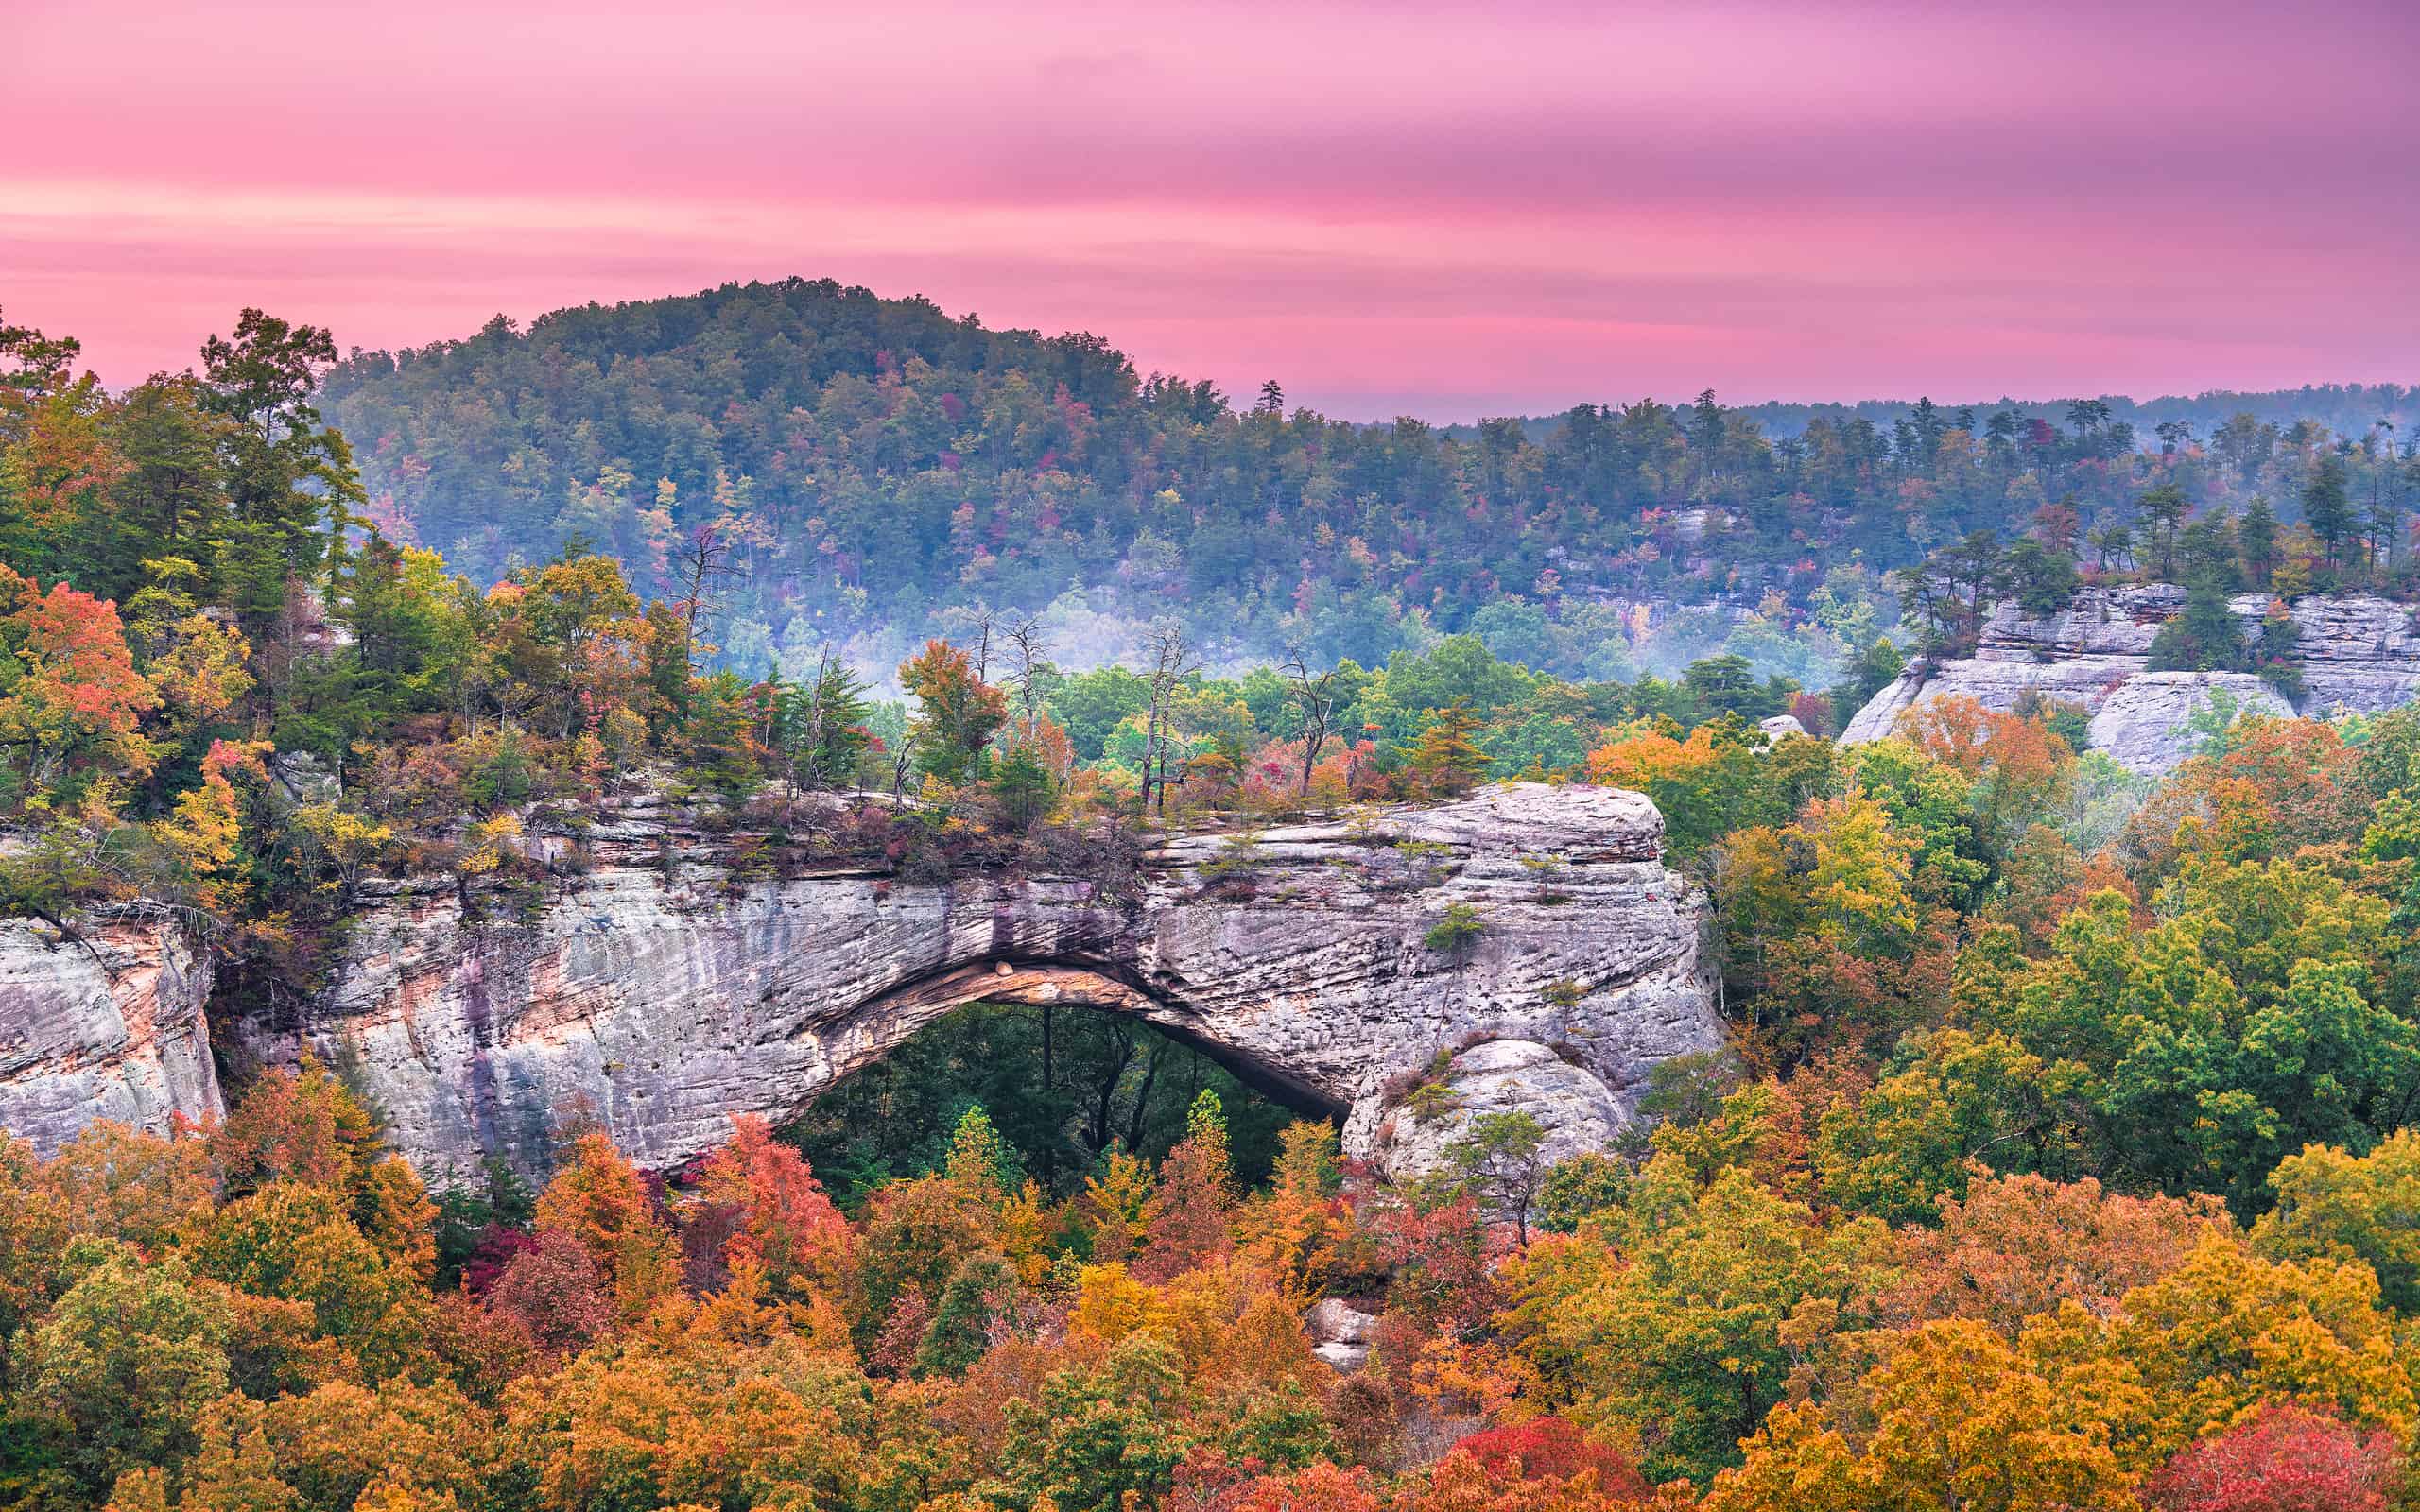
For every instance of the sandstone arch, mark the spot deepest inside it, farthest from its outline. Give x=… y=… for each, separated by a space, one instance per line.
x=664 y=995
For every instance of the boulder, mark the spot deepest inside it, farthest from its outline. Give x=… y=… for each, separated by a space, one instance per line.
x=1570 y=1101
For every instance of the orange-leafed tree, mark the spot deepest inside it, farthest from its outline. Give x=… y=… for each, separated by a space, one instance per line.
x=602 y=1202
x=71 y=702
x=294 y=1126
x=957 y=711
x=783 y=1222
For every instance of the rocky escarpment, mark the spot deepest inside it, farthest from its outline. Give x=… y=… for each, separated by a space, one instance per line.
x=656 y=991
x=2359 y=654
x=106 y=1022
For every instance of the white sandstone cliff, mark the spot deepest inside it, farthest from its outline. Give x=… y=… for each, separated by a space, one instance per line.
x=2359 y=654
x=108 y=1025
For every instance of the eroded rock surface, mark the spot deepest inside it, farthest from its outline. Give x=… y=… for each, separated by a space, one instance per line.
x=111 y=1026
x=661 y=992
x=1340 y=1334
x=1574 y=1104
x=653 y=994
x=2359 y=653
x=658 y=992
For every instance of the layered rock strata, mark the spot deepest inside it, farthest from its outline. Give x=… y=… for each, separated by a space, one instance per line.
x=103 y=1021
x=2359 y=654
x=656 y=991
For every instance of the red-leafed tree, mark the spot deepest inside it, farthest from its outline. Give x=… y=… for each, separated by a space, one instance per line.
x=1209 y=1481
x=1188 y=1219
x=1553 y=1448
x=2285 y=1459
x=71 y=702
x=558 y=1291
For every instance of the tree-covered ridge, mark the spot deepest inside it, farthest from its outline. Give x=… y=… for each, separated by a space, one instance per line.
x=2349 y=409
x=878 y=465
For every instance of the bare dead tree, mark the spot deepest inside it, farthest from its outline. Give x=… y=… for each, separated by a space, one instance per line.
x=1315 y=698
x=977 y=624
x=1028 y=654
x=699 y=560
x=1173 y=660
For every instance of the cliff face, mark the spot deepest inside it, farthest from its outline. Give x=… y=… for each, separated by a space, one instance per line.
x=661 y=994
x=109 y=1027
x=2359 y=654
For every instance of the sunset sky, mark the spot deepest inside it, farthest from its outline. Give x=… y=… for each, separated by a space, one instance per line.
x=1445 y=209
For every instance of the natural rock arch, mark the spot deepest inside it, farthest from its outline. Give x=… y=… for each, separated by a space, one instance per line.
x=661 y=995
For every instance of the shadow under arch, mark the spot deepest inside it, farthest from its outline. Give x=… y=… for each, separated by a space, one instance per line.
x=866 y=1033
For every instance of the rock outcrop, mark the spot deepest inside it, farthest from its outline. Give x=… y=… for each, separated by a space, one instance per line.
x=1340 y=1334
x=657 y=991
x=1577 y=1110
x=108 y=1025
x=2359 y=655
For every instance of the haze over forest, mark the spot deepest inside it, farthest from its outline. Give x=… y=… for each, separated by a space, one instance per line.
x=883 y=470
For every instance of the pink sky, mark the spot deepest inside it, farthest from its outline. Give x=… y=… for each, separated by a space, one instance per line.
x=1445 y=209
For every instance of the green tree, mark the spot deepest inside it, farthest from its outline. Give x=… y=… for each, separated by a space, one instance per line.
x=128 y=1361
x=2163 y=510
x=2327 y=506
x=2206 y=637
x=1096 y=1438
x=983 y=1288
x=2333 y=1204
x=819 y=726
x=1677 y=1331
x=2256 y=540
x=288 y=477
x=1021 y=787
x=1502 y=1157
x=2043 y=580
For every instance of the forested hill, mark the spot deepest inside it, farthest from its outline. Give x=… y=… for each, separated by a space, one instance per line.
x=876 y=464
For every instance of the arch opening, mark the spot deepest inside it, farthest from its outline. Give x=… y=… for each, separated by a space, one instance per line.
x=1067 y=1061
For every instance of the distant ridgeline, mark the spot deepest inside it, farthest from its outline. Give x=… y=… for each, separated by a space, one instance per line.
x=2137 y=661
x=880 y=467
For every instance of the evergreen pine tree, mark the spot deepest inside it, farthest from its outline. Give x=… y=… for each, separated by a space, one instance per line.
x=2205 y=638
x=2256 y=540
x=2327 y=506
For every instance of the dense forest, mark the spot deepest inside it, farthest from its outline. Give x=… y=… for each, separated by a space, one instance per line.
x=2058 y=1158
x=881 y=469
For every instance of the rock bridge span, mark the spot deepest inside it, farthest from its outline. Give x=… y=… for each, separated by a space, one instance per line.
x=660 y=996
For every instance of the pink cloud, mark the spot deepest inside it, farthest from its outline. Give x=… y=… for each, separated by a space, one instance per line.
x=1387 y=207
